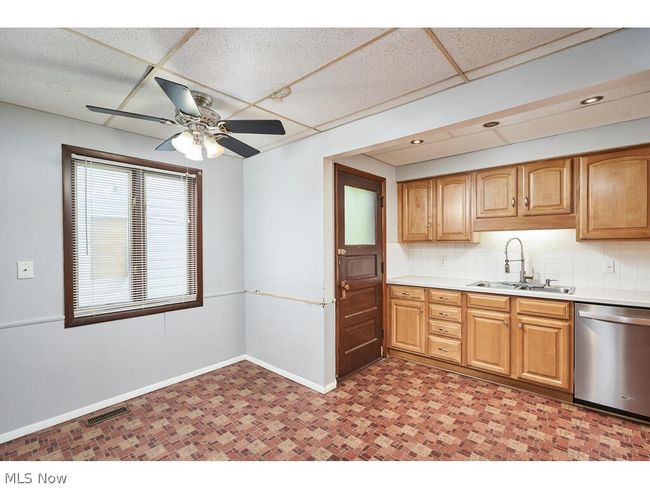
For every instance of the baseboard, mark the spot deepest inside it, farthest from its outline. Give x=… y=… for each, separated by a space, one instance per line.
x=79 y=412
x=291 y=376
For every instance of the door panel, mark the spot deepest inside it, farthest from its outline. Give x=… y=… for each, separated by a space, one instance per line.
x=614 y=200
x=407 y=325
x=417 y=211
x=543 y=353
x=547 y=188
x=453 y=208
x=488 y=341
x=359 y=269
x=496 y=193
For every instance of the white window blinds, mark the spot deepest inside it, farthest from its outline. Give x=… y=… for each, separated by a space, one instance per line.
x=134 y=237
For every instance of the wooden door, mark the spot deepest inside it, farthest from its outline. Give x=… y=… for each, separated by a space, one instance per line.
x=416 y=211
x=547 y=188
x=614 y=201
x=360 y=241
x=407 y=325
x=488 y=341
x=453 y=208
x=543 y=351
x=496 y=193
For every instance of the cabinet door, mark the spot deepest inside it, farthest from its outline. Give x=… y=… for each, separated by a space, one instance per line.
x=488 y=341
x=453 y=208
x=416 y=210
x=547 y=188
x=543 y=351
x=407 y=325
x=614 y=201
x=496 y=193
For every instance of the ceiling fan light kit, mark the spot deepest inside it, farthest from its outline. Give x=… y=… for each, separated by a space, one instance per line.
x=202 y=126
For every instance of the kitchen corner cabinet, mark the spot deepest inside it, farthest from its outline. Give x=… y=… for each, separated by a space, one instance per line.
x=453 y=208
x=416 y=211
x=614 y=200
x=407 y=325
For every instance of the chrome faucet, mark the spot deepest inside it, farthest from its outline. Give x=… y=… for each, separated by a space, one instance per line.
x=523 y=277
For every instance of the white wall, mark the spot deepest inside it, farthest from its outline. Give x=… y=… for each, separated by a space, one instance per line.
x=288 y=188
x=46 y=370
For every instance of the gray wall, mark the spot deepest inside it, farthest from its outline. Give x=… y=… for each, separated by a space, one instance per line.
x=46 y=370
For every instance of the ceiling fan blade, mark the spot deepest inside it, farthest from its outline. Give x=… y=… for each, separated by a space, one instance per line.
x=237 y=146
x=110 y=111
x=255 y=127
x=167 y=145
x=180 y=96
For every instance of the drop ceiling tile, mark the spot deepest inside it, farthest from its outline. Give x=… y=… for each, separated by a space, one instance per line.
x=253 y=63
x=395 y=102
x=630 y=108
x=60 y=72
x=260 y=140
x=538 y=52
x=474 y=47
x=286 y=140
x=397 y=64
x=149 y=99
x=151 y=45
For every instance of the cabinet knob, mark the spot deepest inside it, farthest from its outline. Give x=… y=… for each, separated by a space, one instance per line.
x=513 y=201
x=428 y=225
x=405 y=293
x=520 y=325
x=444 y=314
x=442 y=298
x=526 y=201
x=505 y=322
x=442 y=330
x=443 y=349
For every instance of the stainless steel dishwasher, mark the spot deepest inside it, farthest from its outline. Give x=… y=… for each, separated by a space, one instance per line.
x=612 y=358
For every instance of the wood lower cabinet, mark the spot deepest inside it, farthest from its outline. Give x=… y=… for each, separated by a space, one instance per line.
x=453 y=208
x=542 y=351
x=614 y=195
x=488 y=341
x=407 y=325
x=416 y=211
x=547 y=188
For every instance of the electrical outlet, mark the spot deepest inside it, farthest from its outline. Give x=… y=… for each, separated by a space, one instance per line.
x=610 y=266
x=25 y=269
x=443 y=261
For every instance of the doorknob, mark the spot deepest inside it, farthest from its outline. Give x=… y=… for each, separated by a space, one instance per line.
x=344 y=288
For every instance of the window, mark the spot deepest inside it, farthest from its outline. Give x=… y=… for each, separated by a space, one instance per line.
x=132 y=236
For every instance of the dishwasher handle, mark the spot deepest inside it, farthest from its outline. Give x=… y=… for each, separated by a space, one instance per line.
x=614 y=318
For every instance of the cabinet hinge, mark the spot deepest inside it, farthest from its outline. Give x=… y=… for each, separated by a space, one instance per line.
x=381 y=201
x=382 y=268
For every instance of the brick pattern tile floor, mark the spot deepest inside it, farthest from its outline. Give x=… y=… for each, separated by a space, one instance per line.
x=393 y=410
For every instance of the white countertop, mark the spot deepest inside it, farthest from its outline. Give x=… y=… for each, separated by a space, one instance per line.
x=628 y=298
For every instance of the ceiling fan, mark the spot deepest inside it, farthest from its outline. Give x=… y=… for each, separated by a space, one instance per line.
x=203 y=127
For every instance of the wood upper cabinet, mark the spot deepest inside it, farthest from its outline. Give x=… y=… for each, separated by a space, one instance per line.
x=496 y=192
x=614 y=200
x=453 y=208
x=547 y=188
x=542 y=351
x=488 y=341
x=416 y=211
x=407 y=326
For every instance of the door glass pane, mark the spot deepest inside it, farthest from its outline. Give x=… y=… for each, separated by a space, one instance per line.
x=360 y=220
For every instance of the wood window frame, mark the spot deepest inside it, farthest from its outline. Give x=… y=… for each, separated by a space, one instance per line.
x=68 y=230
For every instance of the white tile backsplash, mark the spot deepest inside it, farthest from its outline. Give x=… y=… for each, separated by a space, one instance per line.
x=551 y=254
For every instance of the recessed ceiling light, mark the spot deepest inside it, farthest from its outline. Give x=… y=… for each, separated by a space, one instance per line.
x=590 y=100
x=417 y=141
x=60 y=87
x=492 y=123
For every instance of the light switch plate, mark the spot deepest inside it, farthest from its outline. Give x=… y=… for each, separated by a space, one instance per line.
x=25 y=269
x=610 y=266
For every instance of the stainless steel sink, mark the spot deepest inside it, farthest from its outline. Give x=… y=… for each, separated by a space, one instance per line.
x=515 y=285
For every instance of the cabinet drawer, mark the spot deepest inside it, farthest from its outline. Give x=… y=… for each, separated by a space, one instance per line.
x=491 y=302
x=441 y=312
x=443 y=348
x=407 y=293
x=445 y=296
x=545 y=308
x=448 y=329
